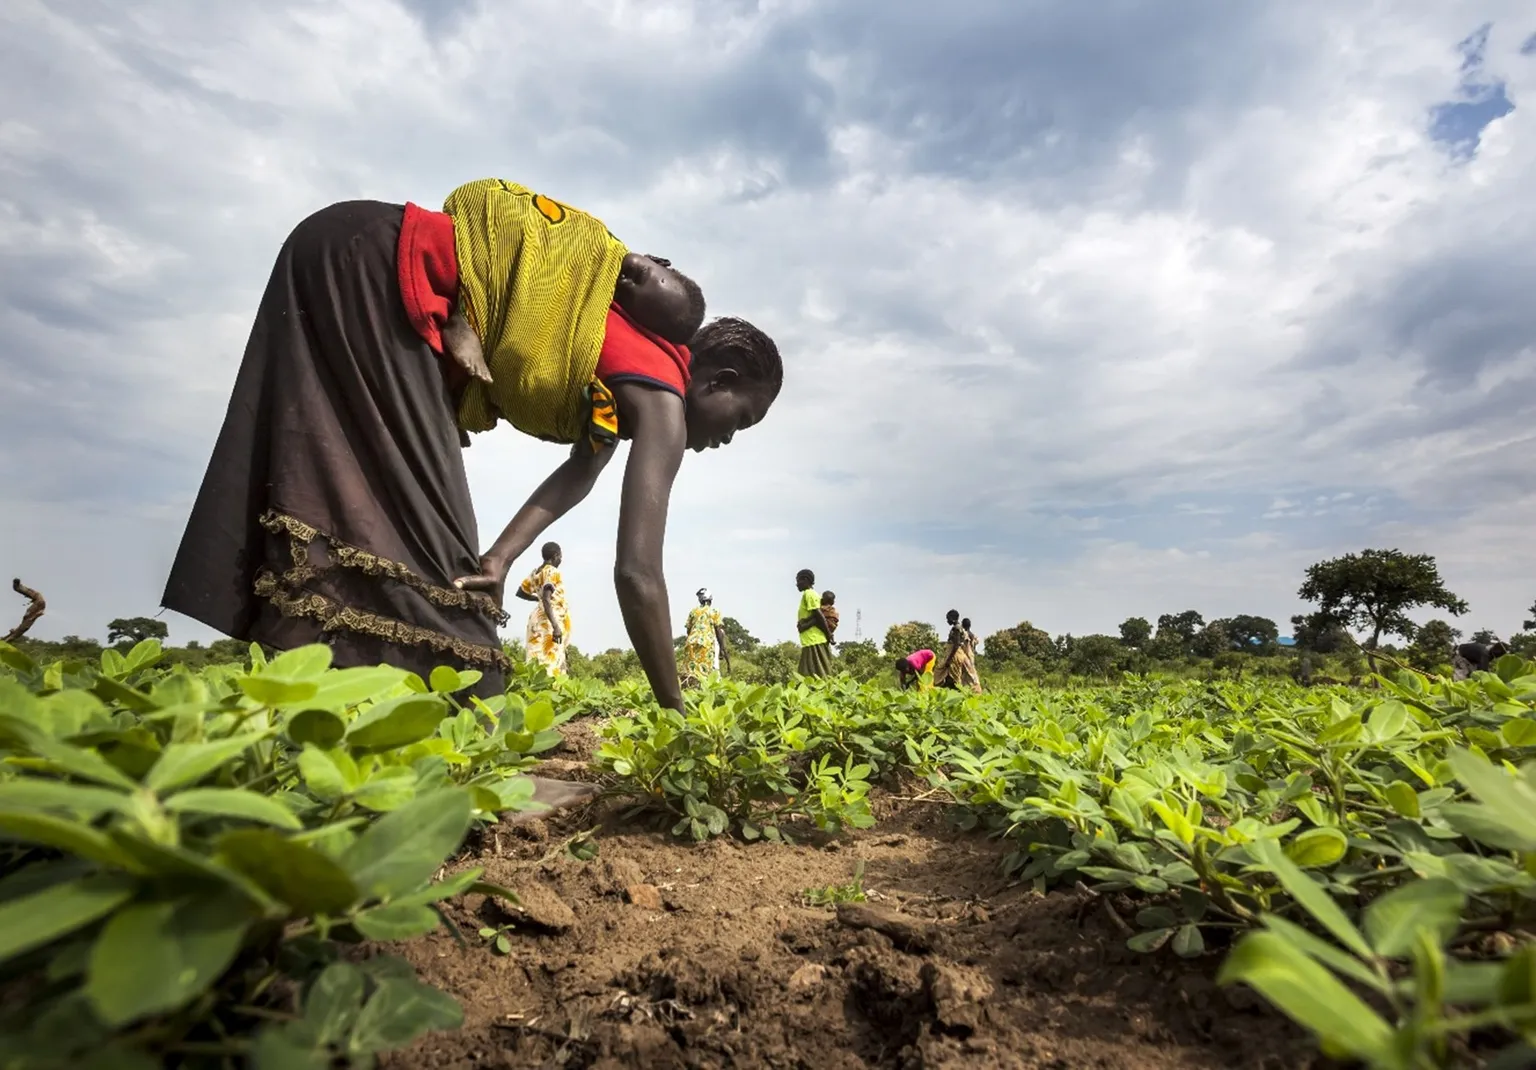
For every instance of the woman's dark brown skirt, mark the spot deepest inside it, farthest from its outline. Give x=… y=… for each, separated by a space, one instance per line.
x=336 y=508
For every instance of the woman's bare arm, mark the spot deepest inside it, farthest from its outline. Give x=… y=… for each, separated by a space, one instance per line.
x=555 y=497
x=655 y=453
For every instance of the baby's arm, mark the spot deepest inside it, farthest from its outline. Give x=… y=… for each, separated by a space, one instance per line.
x=463 y=346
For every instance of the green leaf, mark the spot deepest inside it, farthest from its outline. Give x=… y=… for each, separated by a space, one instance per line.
x=399 y=1012
x=186 y=763
x=322 y=774
x=42 y=917
x=1403 y=798
x=1517 y=978
x=444 y=680
x=1308 y=994
x=291 y=1046
x=37 y=793
x=397 y=921
x=115 y=691
x=1188 y=943
x=1149 y=942
x=1317 y=847
x=321 y=728
x=1511 y=800
x=458 y=884
x=408 y=721
x=387 y=789
x=538 y=716
x=302 y=663
x=1311 y=895
x=1388 y=720
x=273 y=691
x=1330 y=955
x=154 y=957
x=233 y=802
x=306 y=879
x=76 y=761
x=65 y=835
x=1485 y=825
x=1393 y=922
x=399 y=852
x=333 y=1002
x=1519 y=732
x=1176 y=822
x=341 y=688
x=17 y=659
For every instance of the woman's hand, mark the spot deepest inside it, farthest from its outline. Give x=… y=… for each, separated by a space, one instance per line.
x=491 y=579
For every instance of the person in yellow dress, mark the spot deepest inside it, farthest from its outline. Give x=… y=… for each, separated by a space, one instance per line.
x=705 y=639
x=549 y=623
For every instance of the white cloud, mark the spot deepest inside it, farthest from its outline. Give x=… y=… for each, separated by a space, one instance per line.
x=1062 y=350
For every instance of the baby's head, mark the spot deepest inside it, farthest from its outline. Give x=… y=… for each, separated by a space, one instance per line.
x=659 y=297
x=828 y=598
x=966 y=623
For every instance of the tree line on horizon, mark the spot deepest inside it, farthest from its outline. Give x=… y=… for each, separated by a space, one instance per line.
x=1369 y=594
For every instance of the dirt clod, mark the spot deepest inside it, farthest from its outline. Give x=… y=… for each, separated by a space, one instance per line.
x=538 y=906
x=644 y=896
x=907 y=933
x=807 y=977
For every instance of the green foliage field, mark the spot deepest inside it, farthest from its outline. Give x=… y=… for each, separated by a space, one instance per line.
x=185 y=853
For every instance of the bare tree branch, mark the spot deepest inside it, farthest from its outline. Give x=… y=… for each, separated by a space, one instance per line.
x=35 y=607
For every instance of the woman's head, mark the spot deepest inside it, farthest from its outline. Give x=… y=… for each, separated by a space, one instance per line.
x=953 y=617
x=552 y=555
x=705 y=598
x=903 y=666
x=659 y=297
x=805 y=579
x=736 y=375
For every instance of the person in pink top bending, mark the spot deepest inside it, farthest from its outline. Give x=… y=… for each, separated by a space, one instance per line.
x=916 y=666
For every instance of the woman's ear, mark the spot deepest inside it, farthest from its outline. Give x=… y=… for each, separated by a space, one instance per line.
x=724 y=379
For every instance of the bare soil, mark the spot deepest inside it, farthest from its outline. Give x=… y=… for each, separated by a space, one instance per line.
x=661 y=954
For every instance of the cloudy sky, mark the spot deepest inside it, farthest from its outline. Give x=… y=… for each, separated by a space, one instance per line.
x=1087 y=310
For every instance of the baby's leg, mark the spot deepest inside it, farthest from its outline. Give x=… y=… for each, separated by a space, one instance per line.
x=463 y=346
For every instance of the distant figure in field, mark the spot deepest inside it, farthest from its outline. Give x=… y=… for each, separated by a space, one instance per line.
x=1475 y=657
x=972 y=646
x=916 y=667
x=959 y=668
x=815 y=632
x=704 y=643
x=549 y=622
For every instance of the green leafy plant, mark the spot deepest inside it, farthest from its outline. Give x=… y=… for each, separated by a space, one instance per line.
x=832 y=894
x=172 y=840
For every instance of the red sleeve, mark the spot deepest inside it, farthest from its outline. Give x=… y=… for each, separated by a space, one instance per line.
x=632 y=353
x=428 y=265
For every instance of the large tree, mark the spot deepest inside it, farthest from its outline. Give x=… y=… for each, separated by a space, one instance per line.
x=1183 y=626
x=1530 y=625
x=1319 y=634
x=1096 y=655
x=1374 y=591
x=902 y=639
x=737 y=635
x=1135 y=631
x=136 y=630
x=1212 y=641
x=1023 y=646
x=1256 y=635
x=1433 y=645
